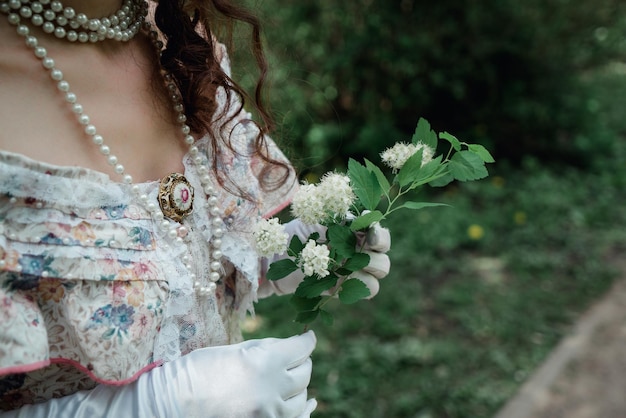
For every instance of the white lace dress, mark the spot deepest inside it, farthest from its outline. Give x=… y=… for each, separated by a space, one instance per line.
x=91 y=290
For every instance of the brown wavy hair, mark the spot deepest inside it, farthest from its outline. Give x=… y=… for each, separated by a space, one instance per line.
x=190 y=57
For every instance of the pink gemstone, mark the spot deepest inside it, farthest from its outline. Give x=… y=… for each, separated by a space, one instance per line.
x=184 y=195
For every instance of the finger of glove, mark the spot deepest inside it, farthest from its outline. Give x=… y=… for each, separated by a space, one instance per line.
x=296 y=380
x=379 y=264
x=378 y=239
x=302 y=230
x=370 y=281
x=310 y=407
x=294 y=407
x=294 y=351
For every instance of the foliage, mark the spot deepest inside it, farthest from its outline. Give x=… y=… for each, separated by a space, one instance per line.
x=331 y=261
x=479 y=292
x=499 y=72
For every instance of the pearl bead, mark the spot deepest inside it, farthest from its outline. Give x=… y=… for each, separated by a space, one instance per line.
x=48 y=63
x=119 y=168
x=14 y=18
x=48 y=27
x=59 y=32
x=128 y=179
x=216 y=265
x=83 y=37
x=63 y=86
x=40 y=52
x=36 y=7
x=69 y=13
x=104 y=149
x=112 y=160
x=56 y=74
x=90 y=130
x=15 y=4
x=97 y=139
x=31 y=42
x=217 y=254
x=151 y=207
x=172 y=233
x=211 y=287
x=83 y=119
x=37 y=20
x=82 y=18
x=214 y=276
x=26 y=12
x=56 y=6
x=22 y=30
x=72 y=36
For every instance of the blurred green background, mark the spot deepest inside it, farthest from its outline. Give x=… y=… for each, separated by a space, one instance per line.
x=480 y=292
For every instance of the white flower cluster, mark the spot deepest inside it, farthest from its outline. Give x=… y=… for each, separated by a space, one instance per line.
x=270 y=237
x=396 y=156
x=314 y=259
x=331 y=198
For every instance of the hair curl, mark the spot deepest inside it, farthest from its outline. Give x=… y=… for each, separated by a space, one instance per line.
x=190 y=57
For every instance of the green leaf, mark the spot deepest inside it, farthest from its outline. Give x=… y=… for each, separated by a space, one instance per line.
x=424 y=134
x=466 y=165
x=410 y=170
x=327 y=318
x=295 y=245
x=442 y=181
x=312 y=287
x=456 y=144
x=365 y=185
x=420 y=205
x=314 y=236
x=304 y=304
x=481 y=152
x=380 y=176
x=353 y=290
x=281 y=268
x=342 y=240
x=427 y=171
x=364 y=221
x=357 y=262
x=306 y=317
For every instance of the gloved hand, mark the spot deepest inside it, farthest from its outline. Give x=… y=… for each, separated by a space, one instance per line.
x=256 y=378
x=376 y=243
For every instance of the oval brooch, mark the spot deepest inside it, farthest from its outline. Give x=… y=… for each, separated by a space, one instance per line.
x=175 y=197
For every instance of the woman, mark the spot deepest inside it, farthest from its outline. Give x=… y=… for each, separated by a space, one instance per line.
x=128 y=188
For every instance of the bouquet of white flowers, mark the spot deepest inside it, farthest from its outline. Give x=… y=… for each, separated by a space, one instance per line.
x=353 y=202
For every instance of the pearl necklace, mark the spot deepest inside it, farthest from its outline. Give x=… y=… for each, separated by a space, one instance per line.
x=175 y=196
x=64 y=22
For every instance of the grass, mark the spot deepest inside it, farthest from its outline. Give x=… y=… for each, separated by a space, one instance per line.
x=479 y=293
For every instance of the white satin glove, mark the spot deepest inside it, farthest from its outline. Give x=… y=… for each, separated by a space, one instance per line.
x=256 y=378
x=376 y=243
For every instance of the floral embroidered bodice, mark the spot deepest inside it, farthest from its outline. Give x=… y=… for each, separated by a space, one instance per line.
x=91 y=290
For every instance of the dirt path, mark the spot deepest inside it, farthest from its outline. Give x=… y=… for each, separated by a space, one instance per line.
x=585 y=376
